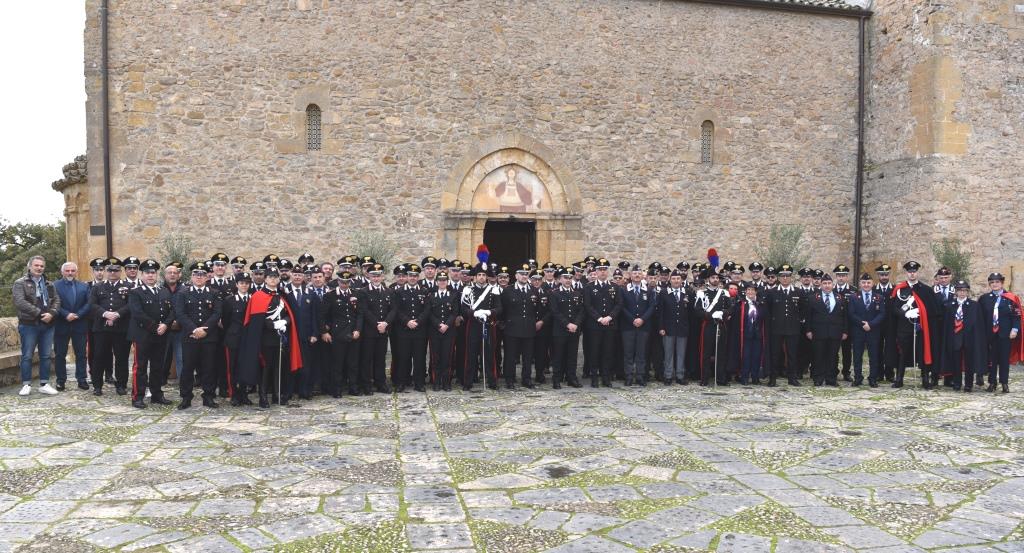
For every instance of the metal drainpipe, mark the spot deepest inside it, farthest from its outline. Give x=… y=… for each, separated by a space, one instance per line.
x=105 y=100
x=859 y=186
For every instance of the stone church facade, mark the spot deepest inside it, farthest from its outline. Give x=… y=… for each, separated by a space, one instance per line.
x=635 y=129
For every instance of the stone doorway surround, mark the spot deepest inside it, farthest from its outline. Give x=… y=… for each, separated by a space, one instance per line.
x=544 y=191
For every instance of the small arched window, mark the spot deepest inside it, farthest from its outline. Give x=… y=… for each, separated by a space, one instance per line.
x=313 y=133
x=707 y=142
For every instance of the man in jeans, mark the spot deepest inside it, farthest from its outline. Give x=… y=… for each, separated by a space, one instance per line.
x=72 y=324
x=37 y=304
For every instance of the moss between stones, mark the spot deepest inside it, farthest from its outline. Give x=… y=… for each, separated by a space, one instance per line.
x=111 y=435
x=465 y=469
x=23 y=482
x=887 y=465
x=773 y=461
x=639 y=508
x=667 y=548
x=497 y=537
x=594 y=478
x=772 y=519
x=679 y=459
x=900 y=519
x=384 y=537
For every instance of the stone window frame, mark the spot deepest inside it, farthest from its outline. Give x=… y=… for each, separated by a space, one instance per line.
x=294 y=140
x=314 y=128
x=707 y=142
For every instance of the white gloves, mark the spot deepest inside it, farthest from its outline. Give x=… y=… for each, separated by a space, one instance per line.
x=280 y=325
x=482 y=314
x=717 y=315
x=912 y=314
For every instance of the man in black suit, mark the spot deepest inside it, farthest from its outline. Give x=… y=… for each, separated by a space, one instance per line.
x=674 y=327
x=444 y=307
x=1001 y=310
x=826 y=327
x=520 y=304
x=412 y=318
x=566 y=303
x=962 y=331
x=378 y=305
x=151 y=316
x=785 y=311
x=602 y=302
x=340 y=322
x=198 y=309
x=867 y=312
x=638 y=304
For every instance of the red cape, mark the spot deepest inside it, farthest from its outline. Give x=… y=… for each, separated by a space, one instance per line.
x=1017 y=344
x=258 y=306
x=922 y=318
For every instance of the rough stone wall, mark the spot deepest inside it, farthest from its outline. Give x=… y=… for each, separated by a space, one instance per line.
x=208 y=124
x=945 y=131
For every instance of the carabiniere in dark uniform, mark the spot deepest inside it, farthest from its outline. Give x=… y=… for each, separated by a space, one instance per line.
x=198 y=307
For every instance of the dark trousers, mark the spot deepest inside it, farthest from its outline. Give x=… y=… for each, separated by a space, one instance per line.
x=220 y=369
x=634 y=351
x=866 y=340
x=998 y=358
x=516 y=347
x=479 y=349
x=655 y=354
x=750 y=367
x=845 y=352
x=910 y=353
x=693 y=359
x=588 y=362
x=343 y=368
x=314 y=367
x=785 y=356
x=889 y=347
x=804 y=357
x=824 y=369
x=604 y=341
x=199 y=357
x=564 y=350
x=618 y=367
x=459 y=349
x=275 y=371
x=373 y=351
x=410 y=358
x=148 y=367
x=61 y=336
x=112 y=350
x=710 y=365
x=963 y=369
x=442 y=346
x=231 y=355
x=542 y=353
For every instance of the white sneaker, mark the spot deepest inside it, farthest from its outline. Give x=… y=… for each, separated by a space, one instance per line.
x=25 y=390
x=47 y=389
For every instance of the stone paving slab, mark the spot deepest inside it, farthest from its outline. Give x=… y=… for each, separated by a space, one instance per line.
x=609 y=470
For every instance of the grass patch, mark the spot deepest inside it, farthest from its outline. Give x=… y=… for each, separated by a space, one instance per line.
x=465 y=469
x=887 y=465
x=903 y=520
x=384 y=537
x=111 y=435
x=497 y=537
x=773 y=461
x=679 y=459
x=639 y=508
x=772 y=519
x=594 y=478
x=24 y=482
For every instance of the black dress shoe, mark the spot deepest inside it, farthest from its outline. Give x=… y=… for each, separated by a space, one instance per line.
x=466 y=388
x=794 y=382
x=529 y=384
x=575 y=383
x=264 y=403
x=236 y=401
x=97 y=392
x=83 y=386
x=833 y=383
x=121 y=391
x=771 y=383
x=400 y=388
x=1006 y=388
x=556 y=385
x=209 y=402
x=60 y=386
x=109 y=380
x=968 y=389
x=897 y=384
x=991 y=387
x=184 y=404
x=846 y=378
x=419 y=388
x=607 y=382
x=873 y=383
x=160 y=400
x=540 y=379
x=594 y=382
x=246 y=400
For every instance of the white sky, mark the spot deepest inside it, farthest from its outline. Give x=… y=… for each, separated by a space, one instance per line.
x=43 y=100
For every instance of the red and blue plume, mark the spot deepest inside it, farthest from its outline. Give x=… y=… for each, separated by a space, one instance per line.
x=713 y=257
x=482 y=253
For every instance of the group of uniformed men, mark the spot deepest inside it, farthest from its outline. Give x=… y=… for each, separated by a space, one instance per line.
x=284 y=330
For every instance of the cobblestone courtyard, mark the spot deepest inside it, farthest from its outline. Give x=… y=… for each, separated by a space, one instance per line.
x=658 y=469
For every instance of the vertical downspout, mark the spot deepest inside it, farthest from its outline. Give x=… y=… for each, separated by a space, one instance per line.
x=859 y=186
x=105 y=100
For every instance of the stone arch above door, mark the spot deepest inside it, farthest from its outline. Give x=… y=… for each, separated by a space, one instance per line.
x=512 y=177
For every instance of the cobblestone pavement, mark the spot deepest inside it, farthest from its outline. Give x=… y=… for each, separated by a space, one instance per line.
x=742 y=469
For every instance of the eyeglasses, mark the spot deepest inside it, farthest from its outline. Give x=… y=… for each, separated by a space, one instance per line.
x=219 y=263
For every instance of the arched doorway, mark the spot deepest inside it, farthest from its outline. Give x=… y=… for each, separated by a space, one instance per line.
x=512 y=190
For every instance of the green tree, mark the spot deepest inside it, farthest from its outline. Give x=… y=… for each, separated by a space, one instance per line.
x=950 y=253
x=18 y=243
x=376 y=245
x=785 y=246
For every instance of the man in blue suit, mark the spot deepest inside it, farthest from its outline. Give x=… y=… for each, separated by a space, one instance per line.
x=638 y=303
x=72 y=323
x=1001 y=310
x=867 y=312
